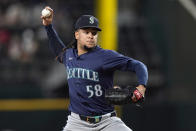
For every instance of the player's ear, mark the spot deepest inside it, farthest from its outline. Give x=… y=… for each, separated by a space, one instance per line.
x=76 y=34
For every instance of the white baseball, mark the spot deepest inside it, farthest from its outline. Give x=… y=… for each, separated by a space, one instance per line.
x=46 y=12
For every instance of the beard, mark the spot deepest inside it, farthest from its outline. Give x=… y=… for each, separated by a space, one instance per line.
x=88 y=48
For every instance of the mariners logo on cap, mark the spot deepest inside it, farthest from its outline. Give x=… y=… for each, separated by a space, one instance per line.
x=91 y=20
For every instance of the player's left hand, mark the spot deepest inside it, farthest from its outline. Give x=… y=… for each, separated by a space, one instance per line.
x=139 y=93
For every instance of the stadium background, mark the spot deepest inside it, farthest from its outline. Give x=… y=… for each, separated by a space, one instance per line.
x=161 y=33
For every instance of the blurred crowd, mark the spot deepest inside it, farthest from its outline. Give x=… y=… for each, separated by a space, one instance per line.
x=21 y=31
x=24 y=55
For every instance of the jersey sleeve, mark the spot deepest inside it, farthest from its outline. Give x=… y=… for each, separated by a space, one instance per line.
x=116 y=61
x=55 y=43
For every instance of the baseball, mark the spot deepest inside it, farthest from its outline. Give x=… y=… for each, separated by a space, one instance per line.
x=46 y=12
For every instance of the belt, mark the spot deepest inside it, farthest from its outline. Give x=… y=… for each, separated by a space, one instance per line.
x=96 y=119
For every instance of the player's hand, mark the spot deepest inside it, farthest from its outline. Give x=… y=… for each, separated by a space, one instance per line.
x=139 y=93
x=47 y=20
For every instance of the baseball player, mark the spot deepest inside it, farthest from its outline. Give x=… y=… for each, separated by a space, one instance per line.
x=90 y=72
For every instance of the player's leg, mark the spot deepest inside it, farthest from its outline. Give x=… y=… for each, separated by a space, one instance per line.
x=115 y=124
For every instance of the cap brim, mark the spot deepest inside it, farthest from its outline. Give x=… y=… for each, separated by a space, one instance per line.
x=83 y=27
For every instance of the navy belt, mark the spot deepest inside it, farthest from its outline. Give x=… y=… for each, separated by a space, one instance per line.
x=96 y=119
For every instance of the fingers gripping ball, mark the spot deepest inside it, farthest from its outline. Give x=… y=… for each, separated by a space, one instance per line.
x=46 y=13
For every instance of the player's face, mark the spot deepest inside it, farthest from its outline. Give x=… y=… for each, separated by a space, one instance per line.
x=86 y=38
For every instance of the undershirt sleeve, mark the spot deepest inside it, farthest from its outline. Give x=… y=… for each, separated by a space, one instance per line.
x=115 y=61
x=55 y=43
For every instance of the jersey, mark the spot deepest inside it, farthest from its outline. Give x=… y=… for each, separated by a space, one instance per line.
x=90 y=74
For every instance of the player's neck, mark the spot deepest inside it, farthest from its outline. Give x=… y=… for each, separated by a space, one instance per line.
x=81 y=51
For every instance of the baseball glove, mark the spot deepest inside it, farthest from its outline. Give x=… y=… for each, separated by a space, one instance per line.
x=119 y=96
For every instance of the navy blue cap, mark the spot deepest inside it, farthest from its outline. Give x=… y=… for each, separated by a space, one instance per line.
x=87 y=21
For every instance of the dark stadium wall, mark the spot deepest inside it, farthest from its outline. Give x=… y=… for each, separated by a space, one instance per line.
x=173 y=29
